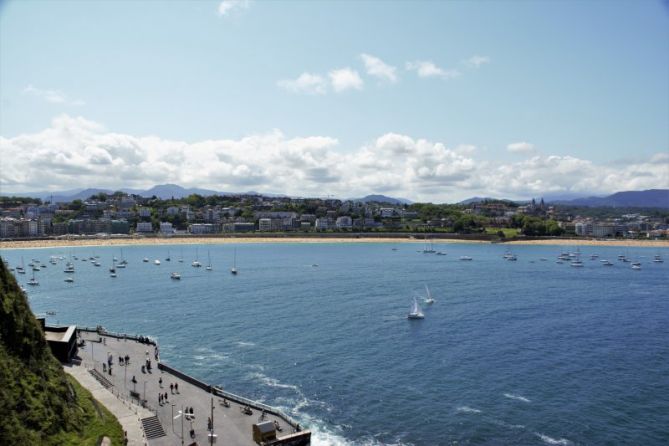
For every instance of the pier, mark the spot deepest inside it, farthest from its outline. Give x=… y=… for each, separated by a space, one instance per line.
x=236 y=420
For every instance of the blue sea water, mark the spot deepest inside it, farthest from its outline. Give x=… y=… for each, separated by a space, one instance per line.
x=528 y=352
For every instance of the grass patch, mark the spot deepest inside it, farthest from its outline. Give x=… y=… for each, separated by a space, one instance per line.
x=99 y=422
x=508 y=232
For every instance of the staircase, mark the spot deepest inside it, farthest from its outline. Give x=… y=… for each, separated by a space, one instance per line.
x=101 y=378
x=152 y=428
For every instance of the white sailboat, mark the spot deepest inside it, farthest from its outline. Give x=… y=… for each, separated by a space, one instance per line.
x=21 y=269
x=175 y=276
x=209 y=261
x=168 y=258
x=428 y=249
x=415 y=312
x=429 y=299
x=196 y=263
x=233 y=270
x=33 y=281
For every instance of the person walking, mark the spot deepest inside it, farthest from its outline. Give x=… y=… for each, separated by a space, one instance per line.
x=160 y=382
x=176 y=387
x=172 y=388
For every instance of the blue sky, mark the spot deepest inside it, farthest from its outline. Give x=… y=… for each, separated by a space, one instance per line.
x=429 y=100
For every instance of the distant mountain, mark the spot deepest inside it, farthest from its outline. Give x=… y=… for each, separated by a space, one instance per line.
x=382 y=199
x=474 y=200
x=167 y=191
x=652 y=198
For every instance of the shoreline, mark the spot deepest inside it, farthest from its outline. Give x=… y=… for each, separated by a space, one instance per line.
x=101 y=242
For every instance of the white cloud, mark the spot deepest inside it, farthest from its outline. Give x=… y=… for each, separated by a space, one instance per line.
x=376 y=67
x=305 y=83
x=52 y=96
x=75 y=152
x=476 y=61
x=427 y=68
x=228 y=6
x=345 y=79
x=520 y=147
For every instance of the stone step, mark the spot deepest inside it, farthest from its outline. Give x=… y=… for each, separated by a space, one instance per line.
x=101 y=379
x=152 y=427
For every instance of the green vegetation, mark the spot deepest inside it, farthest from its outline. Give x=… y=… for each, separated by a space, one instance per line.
x=38 y=403
x=8 y=202
x=508 y=232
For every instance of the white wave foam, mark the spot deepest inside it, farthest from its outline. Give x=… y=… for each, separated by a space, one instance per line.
x=550 y=440
x=468 y=409
x=273 y=382
x=246 y=344
x=517 y=397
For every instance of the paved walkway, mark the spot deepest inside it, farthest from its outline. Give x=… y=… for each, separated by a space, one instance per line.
x=127 y=415
x=231 y=425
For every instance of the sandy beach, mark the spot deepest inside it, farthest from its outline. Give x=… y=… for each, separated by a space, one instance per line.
x=77 y=242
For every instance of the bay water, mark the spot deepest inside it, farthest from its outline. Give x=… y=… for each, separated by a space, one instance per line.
x=528 y=352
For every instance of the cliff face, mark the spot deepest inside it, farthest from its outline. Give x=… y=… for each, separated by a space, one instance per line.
x=37 y=402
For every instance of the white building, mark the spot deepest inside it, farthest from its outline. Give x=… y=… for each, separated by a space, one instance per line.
x=583 y=228
x=322 y=224
x=144 y=226
x=344 y=222
x=145 y=212
x=166 y=228
x=202 y=228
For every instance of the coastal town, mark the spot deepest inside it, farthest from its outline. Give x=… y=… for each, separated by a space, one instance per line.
x=123 y=215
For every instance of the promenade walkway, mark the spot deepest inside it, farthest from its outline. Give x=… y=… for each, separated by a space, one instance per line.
x=127 y=415
x=231 y=425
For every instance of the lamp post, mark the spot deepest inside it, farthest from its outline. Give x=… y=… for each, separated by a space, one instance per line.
x=173 y=419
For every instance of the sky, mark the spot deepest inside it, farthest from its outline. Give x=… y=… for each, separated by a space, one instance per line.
x=430 y=101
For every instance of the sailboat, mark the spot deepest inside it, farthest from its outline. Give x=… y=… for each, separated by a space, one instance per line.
x=69 y=279
x=123 y=261
x=209 y=261
x=69 y=266
x=428 y=249
x=415 y=312
x=168 y=258
x=181 y=257
x=196 y=263
x=429 y=299
x=233 y=270
x=21 y=269
x=33 y=281
x=656 y=259
x=113 y=267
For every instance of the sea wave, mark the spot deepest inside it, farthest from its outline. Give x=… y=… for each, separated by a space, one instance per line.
x=246 y=344
x=550 y=440
x=468 y=409
x=273 y=382
x=517 y=397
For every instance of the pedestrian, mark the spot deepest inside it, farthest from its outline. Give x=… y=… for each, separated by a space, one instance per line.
x=176 y=387
x=172 y=388
x=127 y=359
x=209 y=423
x=160 y=399
x=160 y=382
x=134 y=380
x=166 y=399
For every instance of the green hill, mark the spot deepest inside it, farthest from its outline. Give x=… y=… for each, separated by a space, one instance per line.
x=39 y=403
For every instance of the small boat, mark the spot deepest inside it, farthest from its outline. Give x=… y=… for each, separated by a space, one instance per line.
x=607 y=263
x=415 y=312
x=69 y=279
x=33 y=281
x=594 y=256
x=429 y=299
x=196 y=263
x=69 y=267
x=233 y=270
x=156 y=262
x=113 y=267
x=577 y=263
x=168 y=258
x=636 y=267
x=175 y=276
x=636 y=263
x=51 y=313
x=441 y=253
x=428 y=249
x=145 y=260
x=208 y=268
x=96 y=263
x=113 y=275
x=657 y=259
x=465 y=258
